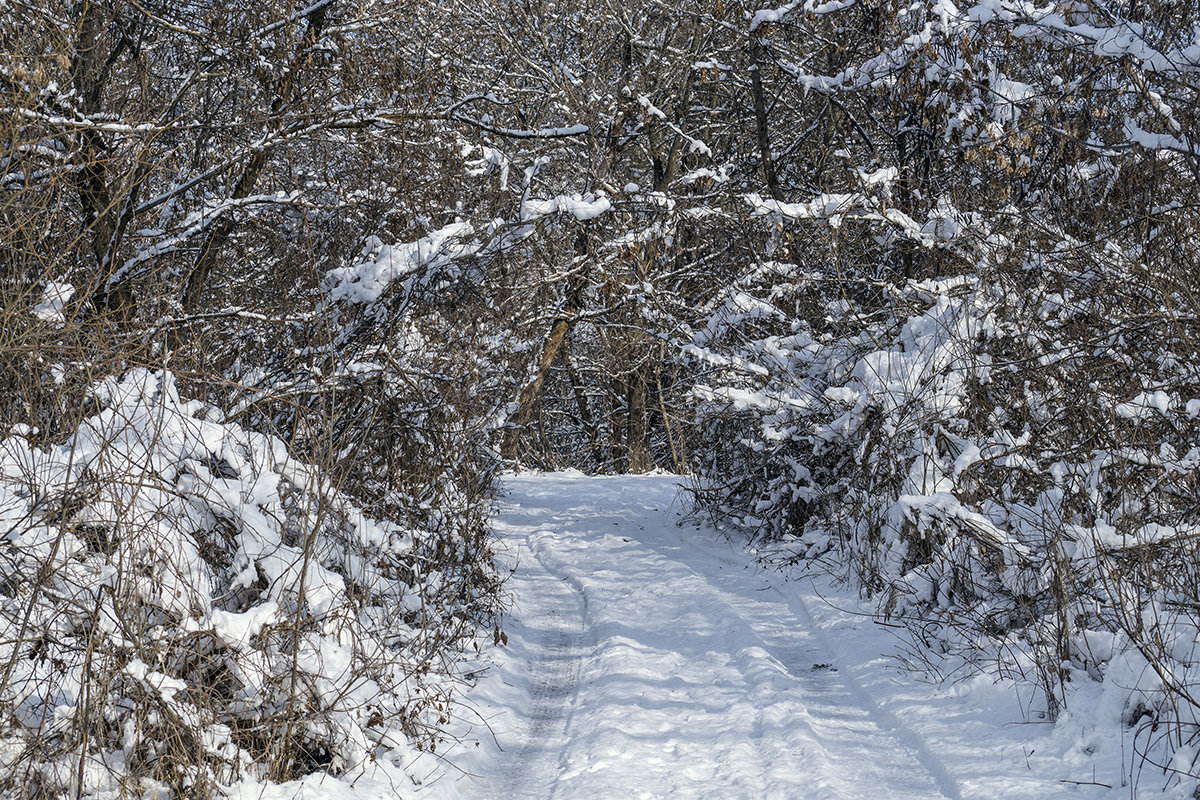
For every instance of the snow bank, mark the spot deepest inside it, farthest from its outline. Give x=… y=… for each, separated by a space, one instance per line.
x=187 y=606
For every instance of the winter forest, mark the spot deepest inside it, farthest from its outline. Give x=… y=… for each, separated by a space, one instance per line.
x=907 y=292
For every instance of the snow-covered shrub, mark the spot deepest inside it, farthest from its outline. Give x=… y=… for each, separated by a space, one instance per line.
x=183 y=604
x=1009 y=462
x=963 y=362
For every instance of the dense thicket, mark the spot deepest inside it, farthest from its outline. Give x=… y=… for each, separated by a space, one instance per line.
x=243 y=508
x=905 y=283
x=968 y=368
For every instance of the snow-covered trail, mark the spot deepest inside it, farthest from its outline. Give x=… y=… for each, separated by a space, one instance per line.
x=645 y=661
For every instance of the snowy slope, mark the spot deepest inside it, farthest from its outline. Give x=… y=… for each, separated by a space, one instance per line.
x=647 y=660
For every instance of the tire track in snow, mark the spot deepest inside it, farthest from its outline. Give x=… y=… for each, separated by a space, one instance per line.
x=840 y=717
x=823 y=653
x=559 y=639
x=883 y=717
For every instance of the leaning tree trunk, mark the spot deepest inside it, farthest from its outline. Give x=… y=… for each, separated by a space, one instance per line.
x=527 y=399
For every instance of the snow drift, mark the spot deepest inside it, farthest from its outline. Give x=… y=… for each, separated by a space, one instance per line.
x=184 y=606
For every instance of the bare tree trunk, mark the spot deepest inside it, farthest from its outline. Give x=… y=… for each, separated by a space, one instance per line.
x=678 y=454
x=585 y=413
x=638 y=458
x=616 y=421
x=762 y=132
x=527 y=399
x=87 y=76
x=559 y=329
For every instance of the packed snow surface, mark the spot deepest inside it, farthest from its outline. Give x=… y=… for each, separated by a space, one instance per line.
x=649 y=659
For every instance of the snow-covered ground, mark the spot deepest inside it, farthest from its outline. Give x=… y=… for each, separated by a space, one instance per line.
x=647 y=659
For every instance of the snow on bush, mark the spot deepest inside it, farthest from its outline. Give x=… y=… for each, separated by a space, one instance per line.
x=183 y=606
x=1008 y=462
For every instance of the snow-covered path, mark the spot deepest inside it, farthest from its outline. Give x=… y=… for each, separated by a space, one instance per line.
x=646 y=662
